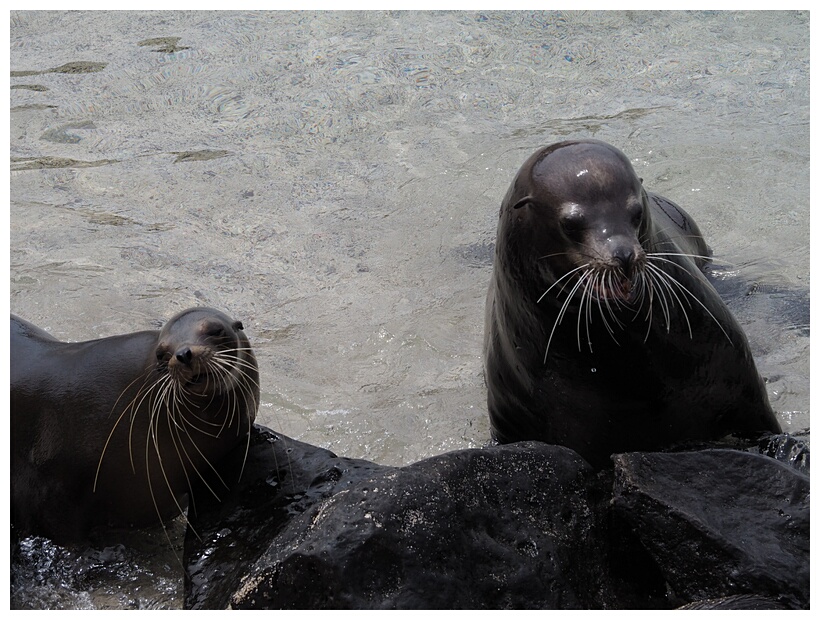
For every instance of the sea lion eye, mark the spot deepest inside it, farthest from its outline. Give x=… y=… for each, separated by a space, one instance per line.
x=214 y=331
x=163 y=356
x=573 y=223
x=637 y=215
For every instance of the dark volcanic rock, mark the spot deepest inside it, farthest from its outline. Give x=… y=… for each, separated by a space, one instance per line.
x=281 y=479
x=502 y=527
x=506 y=526
x=719 y=523
x=516 y=526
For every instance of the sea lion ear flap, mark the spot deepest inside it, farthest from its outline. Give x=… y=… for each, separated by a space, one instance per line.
x=238 y=325
x=522 y=202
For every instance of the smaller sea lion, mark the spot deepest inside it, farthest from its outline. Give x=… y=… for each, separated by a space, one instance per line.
x=602 y=333
x=117 y=431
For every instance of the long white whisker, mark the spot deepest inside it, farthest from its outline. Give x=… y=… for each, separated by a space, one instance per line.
x=566 y=275
x=563 y=310
x=686 y=291
x=663 y=280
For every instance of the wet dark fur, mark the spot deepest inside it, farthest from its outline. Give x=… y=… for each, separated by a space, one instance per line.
x=89 y=419
x=634 y=350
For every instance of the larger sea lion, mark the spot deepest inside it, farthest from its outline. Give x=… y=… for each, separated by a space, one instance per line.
x=116 y=431
x=602 y=333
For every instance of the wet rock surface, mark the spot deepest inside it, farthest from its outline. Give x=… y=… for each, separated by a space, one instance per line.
x=718 y=523
x=282 y=478
x=525 y=525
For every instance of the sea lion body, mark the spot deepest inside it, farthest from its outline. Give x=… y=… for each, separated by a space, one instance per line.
x=602 y=332
x=101 y=437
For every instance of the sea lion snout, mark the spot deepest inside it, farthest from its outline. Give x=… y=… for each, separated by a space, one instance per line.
x=625 y=257
x=184 y=355
x=188 y=360
x=625 y=254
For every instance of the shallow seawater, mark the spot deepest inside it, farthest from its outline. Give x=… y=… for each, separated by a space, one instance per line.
x=141 y=569
x=333 y=180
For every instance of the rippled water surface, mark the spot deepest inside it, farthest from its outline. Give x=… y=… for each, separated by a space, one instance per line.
x=333 y=180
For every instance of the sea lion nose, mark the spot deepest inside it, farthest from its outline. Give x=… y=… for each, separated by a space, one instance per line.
x=624 y=253
x=184 y=355
x=625 y=257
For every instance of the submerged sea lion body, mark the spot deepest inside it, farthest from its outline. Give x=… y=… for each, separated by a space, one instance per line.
x=115 y=431
x=602 y=333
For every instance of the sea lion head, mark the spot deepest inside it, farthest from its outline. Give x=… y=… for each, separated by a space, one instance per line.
x=582 y=211
x=204 y=352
